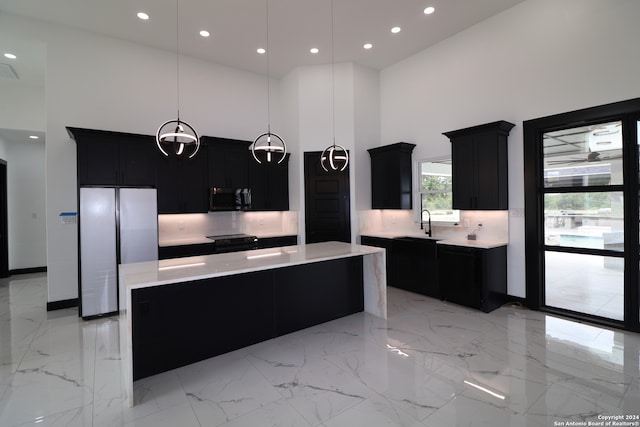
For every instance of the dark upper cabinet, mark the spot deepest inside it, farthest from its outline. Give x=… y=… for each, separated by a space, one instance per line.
x=391 y=176
x=114 y=158
x=228 y=162
x=182 y=183
x=480 y=166
x=269 y=184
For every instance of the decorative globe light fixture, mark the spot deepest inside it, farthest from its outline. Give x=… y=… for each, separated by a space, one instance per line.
x=335 y=157
x=177 y=137
x=268 y=146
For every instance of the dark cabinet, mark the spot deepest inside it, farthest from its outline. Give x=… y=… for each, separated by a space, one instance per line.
x=276 y=242
x=391 y=176
x=182 y=183
x=181 y=251
x=177 y=324
x=114 y=158
x=269 y=184
x=415 y=265
x=473 y=277
x=228 y=162
x=479 y=166
x=412 y=263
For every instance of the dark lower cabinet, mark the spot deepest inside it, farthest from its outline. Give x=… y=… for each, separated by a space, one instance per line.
x=181 y=251
x=175 y=325
x=473 y=277
x=415 y=266
x=412 y=263
x=275 y=242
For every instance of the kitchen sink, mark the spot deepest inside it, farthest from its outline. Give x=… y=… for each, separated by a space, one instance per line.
x=415 y=238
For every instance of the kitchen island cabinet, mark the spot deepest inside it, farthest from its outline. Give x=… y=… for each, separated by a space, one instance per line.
x=473 y=276
x=179 y=311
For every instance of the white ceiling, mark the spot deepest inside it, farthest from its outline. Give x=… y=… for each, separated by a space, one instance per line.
x=239 y=27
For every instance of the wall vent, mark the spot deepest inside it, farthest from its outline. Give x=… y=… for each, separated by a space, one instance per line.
x=8 y=72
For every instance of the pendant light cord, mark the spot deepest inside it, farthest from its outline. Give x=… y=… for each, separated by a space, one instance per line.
x=268 y=78
x=178 y=57
x=333 y=78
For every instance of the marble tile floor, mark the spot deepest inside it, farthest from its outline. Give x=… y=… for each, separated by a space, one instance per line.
x=429 y=364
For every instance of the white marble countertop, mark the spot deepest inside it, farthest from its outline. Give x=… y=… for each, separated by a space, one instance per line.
x=179 y=270
x=480 y=243
x=162 y=272
x=203 y=239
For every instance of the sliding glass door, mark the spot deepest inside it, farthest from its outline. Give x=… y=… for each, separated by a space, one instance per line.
x=582 y=196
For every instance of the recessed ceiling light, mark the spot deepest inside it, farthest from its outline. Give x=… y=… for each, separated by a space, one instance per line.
x=396 y=30
x=33 y=137
x=10 y=55
x=143 y=16
x=314 y=50
x=429 y=10
x=367 y=46
x=205 y=33
x=261 y=50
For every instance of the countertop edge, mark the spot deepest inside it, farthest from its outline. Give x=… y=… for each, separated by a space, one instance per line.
x=128 y=272
x=480 y=244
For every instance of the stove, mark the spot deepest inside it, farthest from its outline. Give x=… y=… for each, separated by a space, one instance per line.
x=234 y=241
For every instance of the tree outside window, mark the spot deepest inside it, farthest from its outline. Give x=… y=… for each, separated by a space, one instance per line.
x=435 y=191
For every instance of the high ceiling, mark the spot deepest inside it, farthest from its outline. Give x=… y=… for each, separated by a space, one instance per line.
x=238 y=27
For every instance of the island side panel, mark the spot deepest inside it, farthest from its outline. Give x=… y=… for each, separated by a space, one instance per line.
x=374 y=271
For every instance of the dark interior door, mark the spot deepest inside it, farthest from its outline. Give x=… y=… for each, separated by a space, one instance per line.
x=326 y=202
x=4 y=242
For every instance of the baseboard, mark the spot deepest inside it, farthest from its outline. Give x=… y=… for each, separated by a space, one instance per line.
x=27 y=270
x=510 y=299
x=59 y=305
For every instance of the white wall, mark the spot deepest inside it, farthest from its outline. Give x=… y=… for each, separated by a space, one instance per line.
x=308 y=106
x=538 y=58
x=102 y=83
x=26 y=204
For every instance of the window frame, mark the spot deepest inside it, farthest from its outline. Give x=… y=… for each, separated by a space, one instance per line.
x=417 y=210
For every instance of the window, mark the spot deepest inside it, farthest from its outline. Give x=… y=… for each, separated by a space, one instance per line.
x=435 y=192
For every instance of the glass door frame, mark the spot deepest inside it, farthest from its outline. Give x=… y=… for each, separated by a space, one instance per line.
x=629 y=113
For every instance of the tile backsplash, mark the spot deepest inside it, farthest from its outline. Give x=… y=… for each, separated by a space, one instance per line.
x=495 y=224
x=186 y=226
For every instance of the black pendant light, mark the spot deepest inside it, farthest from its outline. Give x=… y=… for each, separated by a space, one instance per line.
x=335 y=157
x=268 y=147
x=177 y=137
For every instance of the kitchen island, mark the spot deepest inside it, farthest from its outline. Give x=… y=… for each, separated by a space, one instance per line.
x=179 y=311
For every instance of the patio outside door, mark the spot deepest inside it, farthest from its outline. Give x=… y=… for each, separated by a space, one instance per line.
x=584 y=220
x=582 y=213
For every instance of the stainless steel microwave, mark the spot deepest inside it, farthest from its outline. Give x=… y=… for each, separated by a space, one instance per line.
x=229 y=199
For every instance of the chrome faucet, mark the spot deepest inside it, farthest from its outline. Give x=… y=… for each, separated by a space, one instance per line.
x=428 y=232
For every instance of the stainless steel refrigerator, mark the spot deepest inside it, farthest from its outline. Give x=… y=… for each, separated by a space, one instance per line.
x=117 y=226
